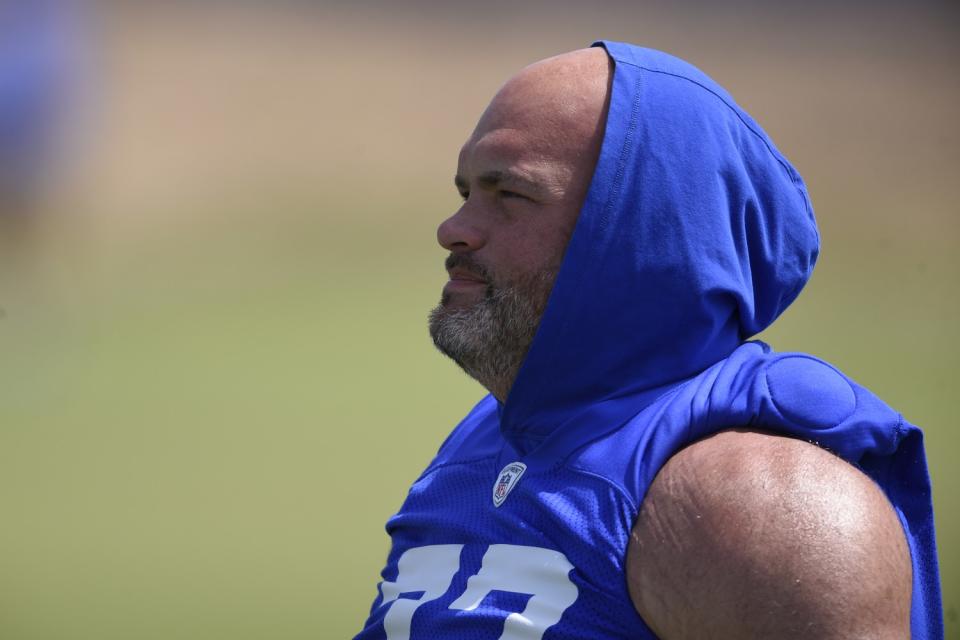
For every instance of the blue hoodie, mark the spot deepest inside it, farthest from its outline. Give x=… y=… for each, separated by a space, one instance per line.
x=696 y=233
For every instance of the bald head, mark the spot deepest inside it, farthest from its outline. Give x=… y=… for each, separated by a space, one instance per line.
x=523 y=175
x=559 y=104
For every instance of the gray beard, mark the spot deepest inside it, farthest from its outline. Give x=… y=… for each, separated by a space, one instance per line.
x=490 y=339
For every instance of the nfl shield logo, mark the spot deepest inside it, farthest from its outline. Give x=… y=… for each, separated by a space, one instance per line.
x=506 y=481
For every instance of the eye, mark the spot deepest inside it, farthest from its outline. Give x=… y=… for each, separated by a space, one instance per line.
x=512 y=195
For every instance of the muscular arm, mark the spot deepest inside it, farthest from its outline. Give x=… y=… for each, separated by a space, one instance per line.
x=749 y=535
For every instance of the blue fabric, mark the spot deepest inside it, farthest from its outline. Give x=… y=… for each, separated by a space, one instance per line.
x=38 y=51
x=696 y=234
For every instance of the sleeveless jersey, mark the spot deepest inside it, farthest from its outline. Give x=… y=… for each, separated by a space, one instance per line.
x=494 y=543
x=695 y=233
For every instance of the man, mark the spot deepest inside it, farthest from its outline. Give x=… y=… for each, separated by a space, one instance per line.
x=640 y=470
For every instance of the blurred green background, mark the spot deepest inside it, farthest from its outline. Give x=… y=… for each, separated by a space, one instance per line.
x=217 y=382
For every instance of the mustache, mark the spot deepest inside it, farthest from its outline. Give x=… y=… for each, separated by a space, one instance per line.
x=466 y=262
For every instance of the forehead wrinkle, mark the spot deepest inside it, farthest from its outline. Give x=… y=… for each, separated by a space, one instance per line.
x=549 y=116
x=545 y=132
x=515 y=155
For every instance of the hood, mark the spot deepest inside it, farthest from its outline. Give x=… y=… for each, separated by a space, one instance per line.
x=695 y=234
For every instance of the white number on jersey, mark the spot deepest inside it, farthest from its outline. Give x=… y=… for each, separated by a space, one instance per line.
x=428 y=569
x=543 y=574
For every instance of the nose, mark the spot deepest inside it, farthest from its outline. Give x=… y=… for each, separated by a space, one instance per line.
x=458 y=234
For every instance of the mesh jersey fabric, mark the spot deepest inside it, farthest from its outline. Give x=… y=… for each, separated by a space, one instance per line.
x=695 y=234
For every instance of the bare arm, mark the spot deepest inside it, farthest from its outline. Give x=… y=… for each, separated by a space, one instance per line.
x=750 y=535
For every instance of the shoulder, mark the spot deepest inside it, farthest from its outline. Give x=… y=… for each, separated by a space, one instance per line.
x=752 y=535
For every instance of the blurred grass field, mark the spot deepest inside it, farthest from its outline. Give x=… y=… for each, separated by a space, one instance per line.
x=217 y=382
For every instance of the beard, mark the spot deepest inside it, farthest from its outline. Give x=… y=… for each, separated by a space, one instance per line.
x=490 y=339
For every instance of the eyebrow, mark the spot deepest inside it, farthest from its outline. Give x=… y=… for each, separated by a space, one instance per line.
x=497 y=178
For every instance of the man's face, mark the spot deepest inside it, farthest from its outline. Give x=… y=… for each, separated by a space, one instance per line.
x=523 y=175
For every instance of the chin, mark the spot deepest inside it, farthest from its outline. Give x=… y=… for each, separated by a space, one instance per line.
x=460 y=301
x=459 y=305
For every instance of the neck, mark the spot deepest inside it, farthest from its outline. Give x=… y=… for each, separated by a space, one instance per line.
x=499 y=389
x=496 y=375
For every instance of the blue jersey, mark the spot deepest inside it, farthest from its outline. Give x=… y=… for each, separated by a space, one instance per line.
x=492 y=543
x=695 y=234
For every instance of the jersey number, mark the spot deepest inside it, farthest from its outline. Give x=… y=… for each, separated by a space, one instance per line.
x=541 y=573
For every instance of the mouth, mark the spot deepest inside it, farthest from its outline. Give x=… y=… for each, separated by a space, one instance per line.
x=459 y=274
x=462 y=279
x=459 y=286
x=464 y=282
